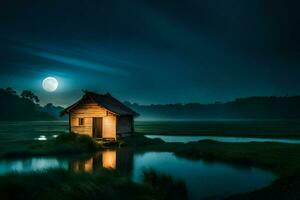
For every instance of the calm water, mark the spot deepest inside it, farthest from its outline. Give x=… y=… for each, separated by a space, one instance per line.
x=185 y=139
x=213 y=180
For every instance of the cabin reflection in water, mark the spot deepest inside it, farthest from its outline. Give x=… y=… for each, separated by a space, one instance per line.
x=109 y=159
x=121 y=160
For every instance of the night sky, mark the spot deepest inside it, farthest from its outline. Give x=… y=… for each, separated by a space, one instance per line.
x=151 y=51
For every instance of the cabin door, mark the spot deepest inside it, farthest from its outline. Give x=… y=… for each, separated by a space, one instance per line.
x=97 y=127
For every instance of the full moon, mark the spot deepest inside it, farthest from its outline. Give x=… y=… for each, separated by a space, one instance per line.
x=50 y=84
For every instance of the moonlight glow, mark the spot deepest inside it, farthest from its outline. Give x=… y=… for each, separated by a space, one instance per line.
x=50 y=84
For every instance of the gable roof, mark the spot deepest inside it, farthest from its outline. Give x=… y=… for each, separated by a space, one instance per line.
x=105 y=100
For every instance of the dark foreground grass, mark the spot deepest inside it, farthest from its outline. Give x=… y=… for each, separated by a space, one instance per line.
x=101 y=184
x=64 y=185
x=165 y=185
x=282 y=159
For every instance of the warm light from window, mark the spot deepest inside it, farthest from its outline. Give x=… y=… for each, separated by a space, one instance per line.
x=109 y=159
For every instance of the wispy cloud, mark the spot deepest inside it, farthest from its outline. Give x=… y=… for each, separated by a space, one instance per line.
x=73 y=60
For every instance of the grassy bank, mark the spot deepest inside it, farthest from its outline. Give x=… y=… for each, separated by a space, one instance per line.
x=69 y=143
x=62 y=145
x=282 y=159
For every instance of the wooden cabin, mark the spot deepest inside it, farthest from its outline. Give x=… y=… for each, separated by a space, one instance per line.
x=100 y=116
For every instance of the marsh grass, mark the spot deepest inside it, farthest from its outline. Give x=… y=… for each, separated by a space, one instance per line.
x=65 y=185
x=139 y=140
x=166 y=186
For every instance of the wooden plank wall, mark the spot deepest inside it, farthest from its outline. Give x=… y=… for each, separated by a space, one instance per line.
x=87 y=111
x=124 y=124
x=109 y=126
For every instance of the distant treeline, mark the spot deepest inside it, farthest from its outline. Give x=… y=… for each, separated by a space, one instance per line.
x=24 y=107
x=242 y=108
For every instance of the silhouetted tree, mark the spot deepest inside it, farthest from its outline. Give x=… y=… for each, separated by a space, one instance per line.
x=14 y=107
x=10 y=91
x=27 y=94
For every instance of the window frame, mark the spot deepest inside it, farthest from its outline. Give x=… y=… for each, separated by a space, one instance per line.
x=80 y=121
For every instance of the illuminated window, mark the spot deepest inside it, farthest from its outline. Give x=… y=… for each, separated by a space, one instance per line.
x=81 y=121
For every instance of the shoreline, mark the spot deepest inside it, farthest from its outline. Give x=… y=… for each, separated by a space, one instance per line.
x=252 y=135
x=279 y=158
